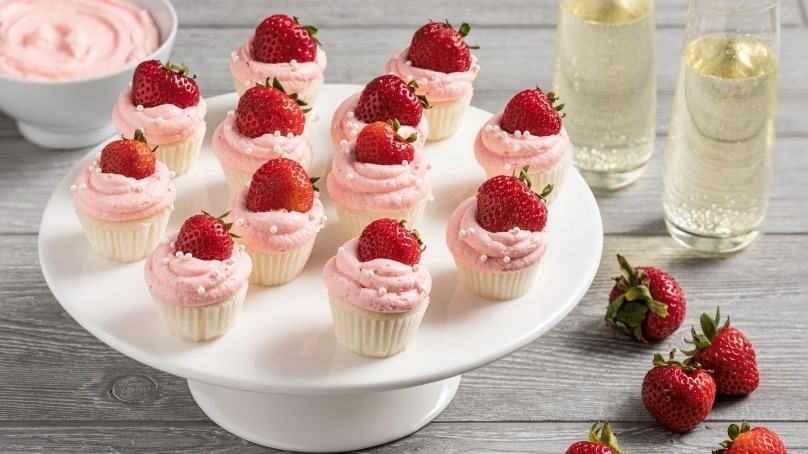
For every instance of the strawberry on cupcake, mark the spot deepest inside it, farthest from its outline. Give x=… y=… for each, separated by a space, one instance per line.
x=384 y=98
x=528 y=132
x=377 y=289
x=267 y=124
x=164 y=102
x=438 y=59
x=277 y=217
x=124 y=199
x=281 y=48
x=497 y=238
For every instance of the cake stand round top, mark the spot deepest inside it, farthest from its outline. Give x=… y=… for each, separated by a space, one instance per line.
x=283 y=341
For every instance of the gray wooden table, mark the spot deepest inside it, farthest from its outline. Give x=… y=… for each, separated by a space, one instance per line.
x=61 y=390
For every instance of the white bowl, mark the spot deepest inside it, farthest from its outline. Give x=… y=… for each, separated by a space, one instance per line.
x=77 y=113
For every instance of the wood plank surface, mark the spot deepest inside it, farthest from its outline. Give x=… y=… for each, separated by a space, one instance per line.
x=65 y=391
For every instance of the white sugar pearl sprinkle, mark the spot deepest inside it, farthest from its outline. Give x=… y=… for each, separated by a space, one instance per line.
x=470 y=230
x=312 y=217
x=230 y=113
x=351 y=114
x=172 y=174
x=416 y=267
x=507 y=167
x=139 y=108
x=488 y=128
x=231 y=261
x=526 y=133
x=179 y=254
x=517 y=133
x=276 y=133
x=172 y=244
x=200 y=290
x=462 y=233
x=516 y=147
x=290 y=136
x=343 y=143
x=382 y=291
x=228 y=128
x=353 y=132
x=340 y=250
x=165 y=240
x=73 y=187
x=405 y=163
x=82 y=186
x=242 y=247
x=240 y=221
x=140 y=188
x=273 y=229
x=170 y=207
x=349 y=176
x=165 y=260
x=160 y=120
x=368 y=273
x=506 y=259
x=249 y=150
x=483 y=258
x=98 y=170
x=398 y=200
x=217 y=273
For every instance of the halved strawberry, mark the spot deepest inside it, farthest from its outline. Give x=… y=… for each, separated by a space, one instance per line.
x=281 y=184
x=387 y=97
x=533 y=111
x=128 y=157
x=380 y=143
x=389 y=239
x=439 y=47
x=281 y=39
x=205 y=237
x=264 y=109
x=155 y=84
x=505 y=202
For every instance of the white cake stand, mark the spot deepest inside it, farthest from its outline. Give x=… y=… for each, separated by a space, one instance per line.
x=279 y=378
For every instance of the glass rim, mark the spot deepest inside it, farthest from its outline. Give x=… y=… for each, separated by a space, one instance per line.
x=739 y=6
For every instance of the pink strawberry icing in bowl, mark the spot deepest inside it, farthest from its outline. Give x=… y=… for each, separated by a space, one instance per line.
x=71 y=109
x=435 y=85
x=378 y=285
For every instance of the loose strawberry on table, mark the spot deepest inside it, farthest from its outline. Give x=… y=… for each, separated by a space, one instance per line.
x=264 y=109
x=744 y=439
x=389 y=97
x=205 y=237
x=128 y=157
x=155 y=84
x=439 y=47
x=281 y=184
x=508 y=202
x=281 y=39
x=645 y=303
x=726 y=352
x=390 y=239
x=533 y=111
x=380 y=143
x=678 y=396
x=601 y=441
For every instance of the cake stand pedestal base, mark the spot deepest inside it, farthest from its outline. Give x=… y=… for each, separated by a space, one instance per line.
x=324 y=423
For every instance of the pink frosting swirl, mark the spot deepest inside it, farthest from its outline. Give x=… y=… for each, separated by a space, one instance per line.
x=378 y=285
x=495 y=148
x=161 y=124
x=191 y=281
x=113 y=197
x=247 y=154
x=73 y=39
x=435 y=85
x=374 y=187
x=294 y=76
x=485 y=251
x=345 y=126
x=277 y=230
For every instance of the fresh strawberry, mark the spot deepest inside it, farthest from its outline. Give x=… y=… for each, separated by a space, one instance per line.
x=646 y=303
x=205 y=237
x=281 y=39
x=601 y=441
x=389 y=239
x=380 y=143
x=439 y=47
x=505 y=202
x=264 y=109
x=155 y=84
x=676 y=395
x=727 y=353
x=533 y=111
x=128 y=157
x=388 y=97
x=281 y=184
x=751 y=440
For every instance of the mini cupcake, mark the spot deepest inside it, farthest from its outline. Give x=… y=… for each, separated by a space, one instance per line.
x=277 y=218
x=379 y=175
x=165 y=103
x=384 y=98
x=267 y=124
x=528 y=132
x=198 y=279
x=439 y=61
x=377 y=290
x=281 y=48
x=124 y=199
x=497 y=238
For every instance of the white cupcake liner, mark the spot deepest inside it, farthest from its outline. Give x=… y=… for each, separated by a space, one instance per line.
x=272 y=269
x=201 y=323
x=180 y=156
x=444 y=117
x=236 y=179
x=373 y=333
x=124 y=241
x=352 y=222
x=554 y=175
x=497 y=286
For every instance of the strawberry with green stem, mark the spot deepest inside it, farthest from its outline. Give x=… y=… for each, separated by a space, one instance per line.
x=155 y=84
x=745 y=439
x=506 y=202
x=128 y=157
x=437 y=46
x=533 y=111
x=267 y=108
x=205 y=237
x=381 y=143
x=601 y=441
x=389 y=239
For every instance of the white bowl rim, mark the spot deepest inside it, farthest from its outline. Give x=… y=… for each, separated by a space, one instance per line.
x=66 y=82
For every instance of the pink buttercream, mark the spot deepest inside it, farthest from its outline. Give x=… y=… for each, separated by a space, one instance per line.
x=345 y=126
x=178 y=280
x=161 y=124
x=495 y=148
x=293 y=76
x=435 y=85
x=247 y=154
x=292 y=229
x=378 y=285
x=469 y=243
x=374 y=187
x=113 y=197
x=73 y=39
